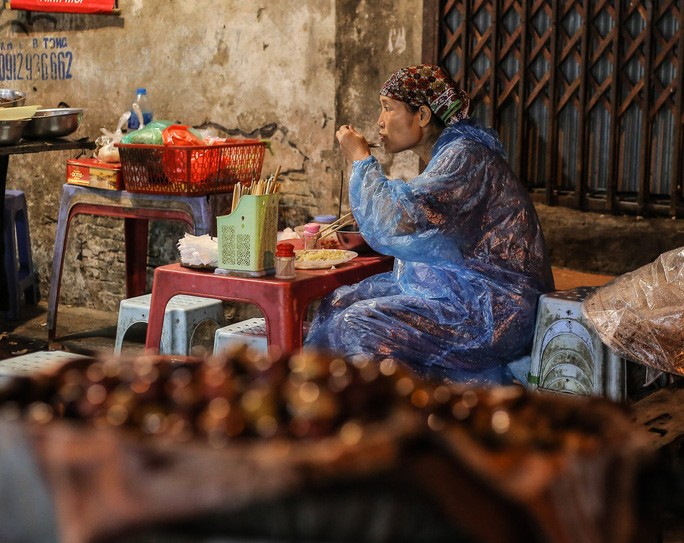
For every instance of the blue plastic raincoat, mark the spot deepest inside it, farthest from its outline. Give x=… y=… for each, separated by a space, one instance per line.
x=470 y=265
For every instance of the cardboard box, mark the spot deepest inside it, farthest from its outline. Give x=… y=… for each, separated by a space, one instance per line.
x=91 y=172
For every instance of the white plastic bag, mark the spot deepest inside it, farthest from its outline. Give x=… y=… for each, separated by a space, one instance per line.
x=106 y=151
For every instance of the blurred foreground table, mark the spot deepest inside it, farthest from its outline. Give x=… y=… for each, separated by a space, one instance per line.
x=282 y=301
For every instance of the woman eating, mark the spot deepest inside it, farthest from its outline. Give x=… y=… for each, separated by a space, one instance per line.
x=470 y=257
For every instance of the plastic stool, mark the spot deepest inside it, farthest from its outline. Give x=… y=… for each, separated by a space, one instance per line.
x=182 y=316
x=31 y=363
x=251 y=332
x=21 y=277
x=198 y=212
x=568 y=355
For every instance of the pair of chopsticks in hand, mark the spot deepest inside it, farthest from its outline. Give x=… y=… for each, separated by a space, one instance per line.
x=259 y=188
x=333 y=227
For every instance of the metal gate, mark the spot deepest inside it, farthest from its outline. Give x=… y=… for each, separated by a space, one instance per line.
x=587 y=95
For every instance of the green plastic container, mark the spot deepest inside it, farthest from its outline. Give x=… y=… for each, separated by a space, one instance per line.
x=247 y=237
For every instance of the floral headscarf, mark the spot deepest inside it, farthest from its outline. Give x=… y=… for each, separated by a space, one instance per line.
x=429 y=85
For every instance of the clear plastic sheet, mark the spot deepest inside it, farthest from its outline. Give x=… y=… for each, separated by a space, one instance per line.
x=470 y=265
x=640 y=313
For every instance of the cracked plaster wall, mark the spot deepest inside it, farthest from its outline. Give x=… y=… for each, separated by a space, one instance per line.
x=289 y=71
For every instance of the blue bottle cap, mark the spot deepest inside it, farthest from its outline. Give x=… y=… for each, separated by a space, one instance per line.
x=325 y=219
x=141 y=91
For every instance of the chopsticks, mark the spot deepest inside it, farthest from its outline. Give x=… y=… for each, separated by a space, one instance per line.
x=335 y=226
x=258 y=188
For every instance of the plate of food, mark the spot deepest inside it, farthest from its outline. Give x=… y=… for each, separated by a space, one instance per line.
x=321 y=259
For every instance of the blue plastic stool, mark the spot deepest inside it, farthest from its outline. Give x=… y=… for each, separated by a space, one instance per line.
x=21 y=277
x=137 y=209
x=251 y=333
x=182 y=316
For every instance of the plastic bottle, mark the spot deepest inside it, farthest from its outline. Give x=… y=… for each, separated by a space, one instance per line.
x=311 y=235
x=285 y=261
x=145 y=105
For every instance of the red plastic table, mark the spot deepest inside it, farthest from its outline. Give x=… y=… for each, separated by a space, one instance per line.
x=283 y=302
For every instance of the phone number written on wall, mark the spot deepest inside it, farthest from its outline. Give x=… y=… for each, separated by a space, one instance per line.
x=44 y=60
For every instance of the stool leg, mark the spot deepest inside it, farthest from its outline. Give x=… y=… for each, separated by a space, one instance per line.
x=204 y=215
x=27 y=276
x=4 y=292
x=10 y=267
x=136 y=234
x=58 y=262
x=120 y=334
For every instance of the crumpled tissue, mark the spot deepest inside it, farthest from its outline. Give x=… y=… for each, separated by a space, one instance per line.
x=198 y=250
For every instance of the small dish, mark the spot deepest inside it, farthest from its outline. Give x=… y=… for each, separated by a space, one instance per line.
x=11 y=131
x=322 y=259
x=53 y=123
x=12 y=98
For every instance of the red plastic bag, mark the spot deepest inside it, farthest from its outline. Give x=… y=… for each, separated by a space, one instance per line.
x=202 y=163
x=180 y=134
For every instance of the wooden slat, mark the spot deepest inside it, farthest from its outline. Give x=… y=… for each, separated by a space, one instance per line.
x=676 y=182
x=431 y=16
x=645 y=150
x=613 y=149
x=551 y=179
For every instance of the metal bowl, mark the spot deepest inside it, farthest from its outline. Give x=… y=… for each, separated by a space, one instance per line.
x=12 y=98
x=54 y=123
x=11 y=131
x=353 y=241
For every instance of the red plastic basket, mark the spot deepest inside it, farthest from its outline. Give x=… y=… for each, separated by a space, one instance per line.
x=190 y=170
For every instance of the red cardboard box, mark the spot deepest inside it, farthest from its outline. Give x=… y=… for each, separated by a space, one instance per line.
x=91 y=172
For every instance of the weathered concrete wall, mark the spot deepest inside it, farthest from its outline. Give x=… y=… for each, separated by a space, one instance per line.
x=290 y=71
x=255 y=69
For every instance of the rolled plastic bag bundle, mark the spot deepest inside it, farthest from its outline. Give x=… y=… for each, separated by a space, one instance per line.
x=198 y=250
x=106 y=149
x=640 y=314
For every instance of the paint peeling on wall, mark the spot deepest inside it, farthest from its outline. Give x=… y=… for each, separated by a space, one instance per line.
x=397 y=41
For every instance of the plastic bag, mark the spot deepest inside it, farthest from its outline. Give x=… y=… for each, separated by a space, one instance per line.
x=150 y=135
x=198 y=250
x=106 y=150
x=178 y=134
x=641 y=313
x=202 y=162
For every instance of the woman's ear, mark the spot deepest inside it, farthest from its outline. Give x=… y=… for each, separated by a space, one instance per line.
x=425 y=114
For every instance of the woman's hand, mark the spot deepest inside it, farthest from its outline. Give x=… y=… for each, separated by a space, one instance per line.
x=354 y=146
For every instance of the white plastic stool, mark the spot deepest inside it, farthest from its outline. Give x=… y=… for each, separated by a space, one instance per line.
x=182 y=316
x=27 y=364
x=251 y=332
x=567 y=354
